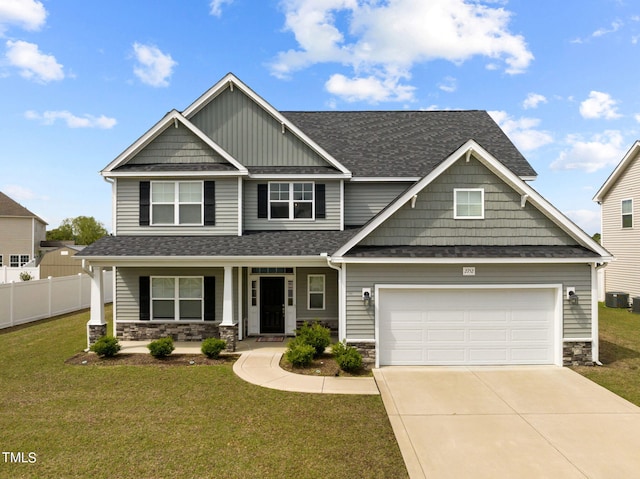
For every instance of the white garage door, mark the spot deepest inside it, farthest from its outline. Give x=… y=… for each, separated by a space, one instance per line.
x=466 y=326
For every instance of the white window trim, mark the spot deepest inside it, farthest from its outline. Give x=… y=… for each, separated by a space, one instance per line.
x=176 y=299
x=455 y=204
x=622 y=215
x=309 y=292
x=20 y=262
x=291 y=201
x=176 y=204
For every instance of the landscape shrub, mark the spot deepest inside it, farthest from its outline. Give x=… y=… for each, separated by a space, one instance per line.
x=299 y=354
x=106 y=346
x=315 y=335
x=348 y=358
x=212 y=347
x=161 y=348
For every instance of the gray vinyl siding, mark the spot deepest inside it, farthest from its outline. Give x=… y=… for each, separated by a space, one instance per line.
x=127 y=302
x=623 y=274
x=432 y=223
x=360 y=317
x=128 y=211
x=252 y=222
x=362 y=201
x=250 y=134
x=330 y=311
x=176 y=145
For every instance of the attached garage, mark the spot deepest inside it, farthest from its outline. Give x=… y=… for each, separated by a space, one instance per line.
x=455 y=325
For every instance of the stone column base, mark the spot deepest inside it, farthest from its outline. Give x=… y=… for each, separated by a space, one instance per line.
x=577 y=353
x=229 y=333
x=95 y=332
x=368 y=352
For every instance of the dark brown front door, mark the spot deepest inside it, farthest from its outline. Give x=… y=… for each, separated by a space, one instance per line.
x=271 y=305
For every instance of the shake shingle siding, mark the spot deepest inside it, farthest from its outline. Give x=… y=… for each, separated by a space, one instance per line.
x=362 y=201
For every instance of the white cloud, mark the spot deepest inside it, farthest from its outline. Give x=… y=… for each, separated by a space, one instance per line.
x=33 y=64
x=601 y=151
x=216 y=6
x=154 y=67
x=448 y=84
x=72 y=121
x=385 y=39
x=599 y=105
x=600 y=32
x=20 y=193
x=370 y=89
x=533 y=100
x=28 y=14
x=637 y=117
x=522 y=131
x=588 y=220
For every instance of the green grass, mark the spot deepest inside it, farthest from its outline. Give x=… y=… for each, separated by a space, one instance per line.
x=187 y=422
x=619 y=353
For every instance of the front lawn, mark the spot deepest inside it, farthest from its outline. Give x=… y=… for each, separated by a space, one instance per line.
x=619 y=353
x=192 y=421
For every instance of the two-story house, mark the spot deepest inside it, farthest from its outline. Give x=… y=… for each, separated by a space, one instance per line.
x=21 y=232
x=619 y=198
x=415 y=234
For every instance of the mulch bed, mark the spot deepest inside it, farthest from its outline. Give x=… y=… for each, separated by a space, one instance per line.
x=138 y=359
x=325 y=365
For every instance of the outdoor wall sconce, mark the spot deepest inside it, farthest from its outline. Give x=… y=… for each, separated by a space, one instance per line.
x=572 y=296
x=366 y=295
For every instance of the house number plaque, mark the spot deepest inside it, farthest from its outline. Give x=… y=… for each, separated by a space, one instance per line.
x=468 y=271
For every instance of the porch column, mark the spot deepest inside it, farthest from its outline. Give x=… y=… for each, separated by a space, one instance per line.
x=97 y=326
x=228 y=329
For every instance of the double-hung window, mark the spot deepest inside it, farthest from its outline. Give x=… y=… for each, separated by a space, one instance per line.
x=18 y=260
x=468 y=203
x=291 y=200
x=316 y=291
x=177 y=203
x=177 y=298
x=627 y=213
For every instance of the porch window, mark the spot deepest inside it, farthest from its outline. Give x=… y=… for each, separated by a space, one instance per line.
x=627 y=213
x=18 y=260
x=291 y=201
x=316 y=291
x=177 y=203
x=177 y=298
x=468 y=203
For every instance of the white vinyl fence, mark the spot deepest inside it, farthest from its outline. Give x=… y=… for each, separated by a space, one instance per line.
x=7 y=275
x=33 y=300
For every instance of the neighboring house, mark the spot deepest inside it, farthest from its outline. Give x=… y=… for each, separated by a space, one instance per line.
x=619 y=198
x=61 y=262
x=21 y=232
x=413 y=233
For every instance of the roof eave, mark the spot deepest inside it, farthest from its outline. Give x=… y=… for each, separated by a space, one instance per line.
x=617 y=172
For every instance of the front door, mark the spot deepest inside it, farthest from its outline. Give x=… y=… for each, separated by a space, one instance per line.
x=272 y=305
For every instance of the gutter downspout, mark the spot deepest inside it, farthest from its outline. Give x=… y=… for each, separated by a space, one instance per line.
x=595 y=351
x=342 y=325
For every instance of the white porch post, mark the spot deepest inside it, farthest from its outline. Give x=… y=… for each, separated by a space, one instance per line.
x=227 y=304
x=97 y=326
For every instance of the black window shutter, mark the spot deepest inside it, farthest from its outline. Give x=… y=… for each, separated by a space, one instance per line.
x=145 y=197
x=209 y=298
x=145 y=298
x=209 y=203
x=321 y=209
x=263 y=203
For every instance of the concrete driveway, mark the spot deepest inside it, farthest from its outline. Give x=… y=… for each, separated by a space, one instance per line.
x=508 y=422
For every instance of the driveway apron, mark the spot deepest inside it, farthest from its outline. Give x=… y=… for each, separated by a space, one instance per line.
x=508 y=422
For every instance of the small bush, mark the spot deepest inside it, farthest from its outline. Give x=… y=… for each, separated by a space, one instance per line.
x=24 y=276
x=212 y=347
x=106 y=346
x=161 y=348
x=314 y=335
x=347 y=357
x=299 y=354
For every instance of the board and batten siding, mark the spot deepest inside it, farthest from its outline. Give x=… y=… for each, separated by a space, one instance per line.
x=330 y=312
x=360 y=317
x=176 y=145
x=128 y=211
x=251 y=222
x=623 y=274
x=432 y=223
x=362 y=201
x=128 y=288
x=250 y=134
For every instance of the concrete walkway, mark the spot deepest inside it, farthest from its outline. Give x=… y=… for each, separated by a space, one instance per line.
x=507 y=422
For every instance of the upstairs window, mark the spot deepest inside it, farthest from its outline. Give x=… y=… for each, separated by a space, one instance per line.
x=627 y=213
x=18 y=260
x=468 y=203
x=291 y=200
x=177 y=203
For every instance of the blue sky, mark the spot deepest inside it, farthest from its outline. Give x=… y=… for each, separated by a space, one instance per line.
x=81 y=81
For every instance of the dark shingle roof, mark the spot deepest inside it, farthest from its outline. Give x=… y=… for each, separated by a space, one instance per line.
x=152 y=167
x=405 y=143
x=266 y=243
x=9 y=207
x=472 y=252
x=293 y=170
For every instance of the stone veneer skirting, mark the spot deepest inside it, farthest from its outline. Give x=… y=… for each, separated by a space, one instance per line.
x=577 y=353
x=368 y=352
x=95 y=332
x=178 y=331
x=230 y=335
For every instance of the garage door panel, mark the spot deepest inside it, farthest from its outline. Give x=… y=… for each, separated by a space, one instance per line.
x=457 y=326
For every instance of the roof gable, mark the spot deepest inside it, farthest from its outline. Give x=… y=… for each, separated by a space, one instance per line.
x=618 y=172
x=10 y=207
x=466 y=151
